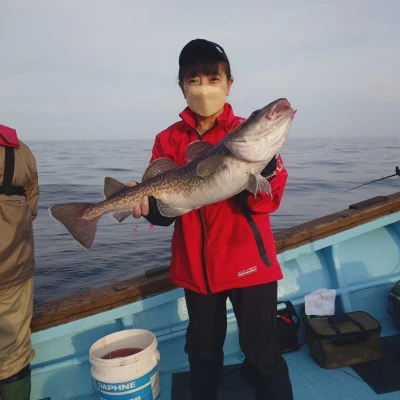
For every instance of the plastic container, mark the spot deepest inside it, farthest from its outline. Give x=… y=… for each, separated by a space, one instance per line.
x=126 y=377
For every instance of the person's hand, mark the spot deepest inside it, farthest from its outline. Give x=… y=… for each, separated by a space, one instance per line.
x=141 y=209
x=270 y=168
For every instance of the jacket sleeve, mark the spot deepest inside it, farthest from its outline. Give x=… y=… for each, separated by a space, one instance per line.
x=32 y=195
x=163 y=146
x=267 y=203
x=32 y=190
x=154 y=216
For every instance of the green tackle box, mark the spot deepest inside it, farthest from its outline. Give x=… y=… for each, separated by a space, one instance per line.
x=344 y=339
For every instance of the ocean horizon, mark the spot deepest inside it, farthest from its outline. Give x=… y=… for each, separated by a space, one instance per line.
x=320 y=171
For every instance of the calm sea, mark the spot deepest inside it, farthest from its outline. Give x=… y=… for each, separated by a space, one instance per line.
x=320 y=170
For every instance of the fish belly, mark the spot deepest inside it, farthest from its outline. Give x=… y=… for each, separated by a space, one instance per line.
x=217 y=187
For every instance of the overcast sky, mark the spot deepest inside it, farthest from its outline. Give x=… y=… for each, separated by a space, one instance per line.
x=107 y=69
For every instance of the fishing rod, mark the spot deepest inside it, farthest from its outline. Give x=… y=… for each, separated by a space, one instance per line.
x=376 y=180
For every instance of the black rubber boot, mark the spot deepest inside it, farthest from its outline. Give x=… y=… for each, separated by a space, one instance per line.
x=17 y=386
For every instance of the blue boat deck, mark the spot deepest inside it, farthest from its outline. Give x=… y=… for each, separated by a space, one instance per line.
x=309 y=381
x=362 y=263
x=70 y=376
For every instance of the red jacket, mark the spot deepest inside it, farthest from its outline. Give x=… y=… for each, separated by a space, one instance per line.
x=214 y=248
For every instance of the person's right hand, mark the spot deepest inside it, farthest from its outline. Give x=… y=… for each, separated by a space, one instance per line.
x=270 y=168
x=141 y=209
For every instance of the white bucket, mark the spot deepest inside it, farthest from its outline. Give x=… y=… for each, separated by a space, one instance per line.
x=134 y=377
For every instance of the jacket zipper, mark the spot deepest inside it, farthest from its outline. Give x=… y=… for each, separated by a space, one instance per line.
x=203 y=257
x=201 y=136
x=203 y=230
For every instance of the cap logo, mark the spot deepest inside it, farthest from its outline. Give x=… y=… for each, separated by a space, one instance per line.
x=218 y=49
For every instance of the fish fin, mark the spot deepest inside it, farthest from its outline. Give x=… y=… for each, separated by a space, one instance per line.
x=210 y=165
x=196 y=149
x=70 y=215
x=157 y=167
x=112 y=186
x=121 y=215
x=258 y=183
x=168 y=211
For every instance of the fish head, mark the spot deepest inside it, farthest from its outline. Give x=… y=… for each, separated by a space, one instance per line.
x=263 y=134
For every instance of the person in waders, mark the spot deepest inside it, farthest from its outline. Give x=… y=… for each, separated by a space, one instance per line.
x=223 y=250
x=19 y=193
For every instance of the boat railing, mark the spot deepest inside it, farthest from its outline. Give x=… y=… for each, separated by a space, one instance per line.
x=290 y=243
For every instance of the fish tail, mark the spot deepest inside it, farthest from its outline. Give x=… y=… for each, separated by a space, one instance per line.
x=70 y=215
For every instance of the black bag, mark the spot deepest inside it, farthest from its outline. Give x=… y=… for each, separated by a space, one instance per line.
x=288 y=324
x=394 y=304
x=344 y=339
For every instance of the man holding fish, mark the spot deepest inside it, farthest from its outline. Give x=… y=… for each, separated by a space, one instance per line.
x=225 y=249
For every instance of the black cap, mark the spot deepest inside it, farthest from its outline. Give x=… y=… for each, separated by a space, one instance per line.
x=201 y=50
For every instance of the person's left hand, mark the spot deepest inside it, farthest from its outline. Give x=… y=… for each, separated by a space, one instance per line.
x=141 y=209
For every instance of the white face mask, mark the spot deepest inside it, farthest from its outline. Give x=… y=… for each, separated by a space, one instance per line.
x=205 y=100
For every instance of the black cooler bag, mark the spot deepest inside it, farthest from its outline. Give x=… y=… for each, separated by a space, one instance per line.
x=344 y=339
x=288 y=323
x=394 y=304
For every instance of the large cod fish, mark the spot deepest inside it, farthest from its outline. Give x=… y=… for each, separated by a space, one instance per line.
x=212 y=174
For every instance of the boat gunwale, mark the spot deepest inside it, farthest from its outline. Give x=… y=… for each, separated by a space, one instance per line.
x=75 y=307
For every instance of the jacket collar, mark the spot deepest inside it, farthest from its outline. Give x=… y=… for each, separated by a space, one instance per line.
x=8 y=137
x=225 y=118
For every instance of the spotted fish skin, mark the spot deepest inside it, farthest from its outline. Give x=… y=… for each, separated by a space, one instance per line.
x=212 y=174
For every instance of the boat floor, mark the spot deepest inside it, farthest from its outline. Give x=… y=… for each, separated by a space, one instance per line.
x=309 y=381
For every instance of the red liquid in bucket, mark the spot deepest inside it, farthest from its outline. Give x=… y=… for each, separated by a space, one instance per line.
x=119 y=353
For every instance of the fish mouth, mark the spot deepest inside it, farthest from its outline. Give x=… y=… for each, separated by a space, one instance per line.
x=280 y=107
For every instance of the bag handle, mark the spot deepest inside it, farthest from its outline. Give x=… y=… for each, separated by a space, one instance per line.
x=335 y=320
